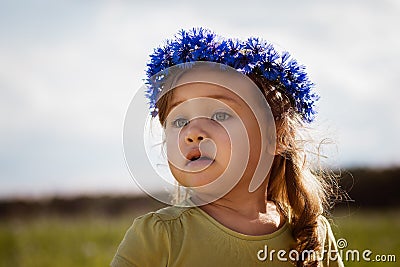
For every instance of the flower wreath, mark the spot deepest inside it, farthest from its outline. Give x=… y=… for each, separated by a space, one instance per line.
x=250 y=56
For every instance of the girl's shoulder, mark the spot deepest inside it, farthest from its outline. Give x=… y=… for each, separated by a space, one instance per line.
x=163 y=216
x=163 y=219
x=147 y=241
x=170 y=213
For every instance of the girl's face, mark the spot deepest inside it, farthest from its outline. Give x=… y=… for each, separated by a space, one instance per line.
x=210 y=132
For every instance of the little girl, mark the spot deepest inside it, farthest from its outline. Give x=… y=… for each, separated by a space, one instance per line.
x=232 y=112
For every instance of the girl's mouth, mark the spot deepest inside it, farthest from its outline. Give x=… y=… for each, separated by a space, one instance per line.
x=197 y=161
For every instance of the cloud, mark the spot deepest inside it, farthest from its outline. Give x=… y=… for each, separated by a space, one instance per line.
x=69 y=70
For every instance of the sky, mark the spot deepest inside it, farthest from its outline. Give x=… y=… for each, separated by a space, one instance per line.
x=69 y=69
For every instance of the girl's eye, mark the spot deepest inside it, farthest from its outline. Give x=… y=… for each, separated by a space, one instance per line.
x=179 y=123
x=220 y=116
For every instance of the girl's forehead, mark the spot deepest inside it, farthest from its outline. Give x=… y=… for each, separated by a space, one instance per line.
x=205 y=82
x=229 y=86
x=226 y=78
x=203 y=90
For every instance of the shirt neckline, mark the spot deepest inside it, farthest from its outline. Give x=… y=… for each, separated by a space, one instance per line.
x=280 y=231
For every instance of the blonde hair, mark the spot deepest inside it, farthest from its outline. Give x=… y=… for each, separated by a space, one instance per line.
x=300 y=193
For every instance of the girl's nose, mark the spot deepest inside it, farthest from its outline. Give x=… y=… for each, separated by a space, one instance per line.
x=194 y=138
x=194 y=133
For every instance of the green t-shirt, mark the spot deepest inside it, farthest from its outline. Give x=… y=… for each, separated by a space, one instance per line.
x=177 y=236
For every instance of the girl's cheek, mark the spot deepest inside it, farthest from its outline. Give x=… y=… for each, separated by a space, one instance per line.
x=172 y=145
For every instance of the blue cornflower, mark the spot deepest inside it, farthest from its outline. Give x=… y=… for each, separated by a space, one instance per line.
x=250 y=56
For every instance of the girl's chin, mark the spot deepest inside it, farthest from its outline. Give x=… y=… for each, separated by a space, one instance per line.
x=196 y=180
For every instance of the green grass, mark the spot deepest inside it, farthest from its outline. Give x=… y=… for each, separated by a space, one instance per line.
x=61 y=242
x=378 y=231
x=92 y=240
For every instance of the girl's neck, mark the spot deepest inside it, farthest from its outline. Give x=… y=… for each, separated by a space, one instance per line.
x=243 y=203
x=245 y=212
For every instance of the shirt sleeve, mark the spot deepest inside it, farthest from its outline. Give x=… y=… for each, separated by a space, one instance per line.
x=145 y=244
x=331 y=255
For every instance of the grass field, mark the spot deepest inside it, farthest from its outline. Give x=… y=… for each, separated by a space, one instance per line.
x=58 y=241
x=370 y=230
